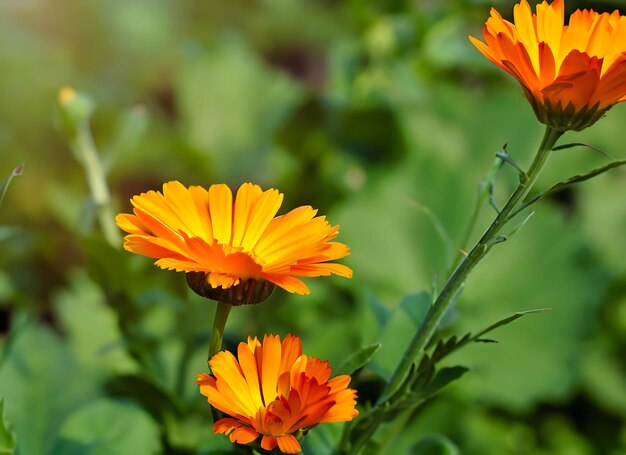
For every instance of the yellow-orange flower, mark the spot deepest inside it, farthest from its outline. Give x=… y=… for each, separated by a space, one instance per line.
x=571 y=74
x=273 y=390
x=198 y=230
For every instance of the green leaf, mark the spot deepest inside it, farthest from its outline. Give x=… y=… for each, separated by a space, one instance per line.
x=323 y=438
x=378 y=309
x=92 y=326
x=506 y=321
x=580 y=144
x=416 y=306
x=518 y=227
x=435 y=445
x=358 y=360
x=446 y=347
x=570 y=181
x=7 y=438
x=45 y=384
x=398 y=331
x=108 y=426
x=443 y=377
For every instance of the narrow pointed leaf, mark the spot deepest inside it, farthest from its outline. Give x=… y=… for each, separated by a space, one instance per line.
x=506 y=321
x=358 y=360
x=444 y=377
x=565 y=183
x=580 y=144
x=518 y=228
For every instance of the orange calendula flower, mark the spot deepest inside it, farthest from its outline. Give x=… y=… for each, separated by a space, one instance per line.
x=571 y=74
x=273 y=390
x=225 y=244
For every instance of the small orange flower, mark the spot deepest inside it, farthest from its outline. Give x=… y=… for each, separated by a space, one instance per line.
x=273 y=390
x=198 y=230
x=571 y=74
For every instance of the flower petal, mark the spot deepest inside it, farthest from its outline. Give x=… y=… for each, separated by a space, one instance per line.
x=288 y=444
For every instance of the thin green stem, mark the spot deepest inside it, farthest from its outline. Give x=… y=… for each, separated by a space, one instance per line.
x=217 y=336
x=87 y=154
x=427 y=329
x=219 y=322
x=17 y=171
x=483 y=195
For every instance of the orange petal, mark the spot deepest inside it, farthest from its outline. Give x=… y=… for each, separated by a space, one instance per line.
x=226 y=425
x=220 y=208
x=268 y=442
x=249 y=368
x=288 y=444
x=247 y=195
x=244 y=435
x=291 y=349
x=270 y=367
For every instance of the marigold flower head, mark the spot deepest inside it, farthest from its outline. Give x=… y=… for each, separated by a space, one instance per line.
x=226 y=245
x=571 y=74
x=273 y=390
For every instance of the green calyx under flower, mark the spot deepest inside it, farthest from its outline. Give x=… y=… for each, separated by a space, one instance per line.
x=568 y=118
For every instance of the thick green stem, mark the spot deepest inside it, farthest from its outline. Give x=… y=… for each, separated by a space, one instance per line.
x=446 y=297
x=87 y=155
x=217 y=335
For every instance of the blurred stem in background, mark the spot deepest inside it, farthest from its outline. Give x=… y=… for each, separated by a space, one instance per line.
x=14 y=173
x=451 y=289
x=76 y=110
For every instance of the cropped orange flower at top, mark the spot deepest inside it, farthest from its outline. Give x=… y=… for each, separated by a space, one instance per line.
x=571 y=74
x=204 y=231
x=273 y=390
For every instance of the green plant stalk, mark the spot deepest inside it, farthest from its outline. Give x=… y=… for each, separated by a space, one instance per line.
x=483 y=195
x=446 y=297
x=458 y=277
x=17 y=171
x=217 y=336
x=86 y=153
x=219 y=322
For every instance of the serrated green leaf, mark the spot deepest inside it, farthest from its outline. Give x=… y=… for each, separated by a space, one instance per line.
x=358 y=360
x=107 y=426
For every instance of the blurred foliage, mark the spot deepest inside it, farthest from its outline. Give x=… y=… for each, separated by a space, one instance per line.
x=381 y=115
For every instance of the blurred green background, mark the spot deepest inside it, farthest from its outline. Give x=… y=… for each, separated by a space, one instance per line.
x=380 y=114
